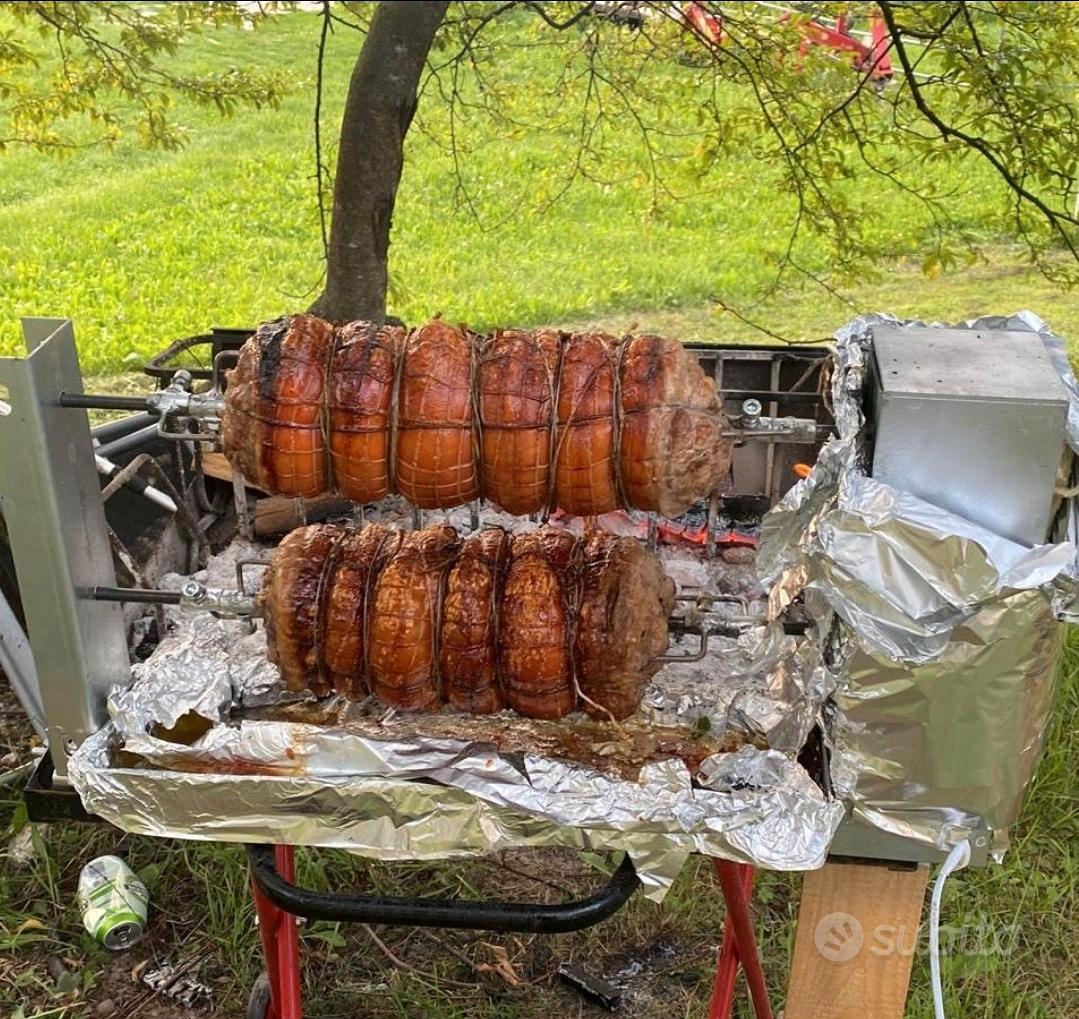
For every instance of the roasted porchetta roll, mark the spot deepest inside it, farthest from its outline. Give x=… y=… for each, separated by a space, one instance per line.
x=517 y=375
x=538 y=420
x=360 y=400
x=436 y=461
x=672 y=443
x=621 y=625
x=354 y=565
x=403 y=625
x=468 y=658
x=273 y=427
x=537 y=616
x=543 y=622
x=586 y=482
x=290 y=600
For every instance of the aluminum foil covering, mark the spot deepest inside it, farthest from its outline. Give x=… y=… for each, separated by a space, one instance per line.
x=326 y=786
x=944 y=636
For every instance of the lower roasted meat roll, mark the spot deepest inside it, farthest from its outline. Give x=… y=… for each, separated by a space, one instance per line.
x=290 y=603
x=354 y=565
x=622 y=624
x=544 y=622
x=535 y=639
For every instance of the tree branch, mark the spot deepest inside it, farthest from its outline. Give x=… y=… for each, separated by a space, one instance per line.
x=978 y=144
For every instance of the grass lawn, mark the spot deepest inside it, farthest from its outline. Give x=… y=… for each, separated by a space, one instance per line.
x=140 y=247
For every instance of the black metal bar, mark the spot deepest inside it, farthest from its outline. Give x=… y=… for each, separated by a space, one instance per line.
x=771 y=394
x=451 y=914
x=99 y=401
x=122 y=426
x=134 y=594
x=47 y=802
x=128 y=443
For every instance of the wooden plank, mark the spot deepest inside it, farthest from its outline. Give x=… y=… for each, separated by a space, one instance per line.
x=216 y=465
x=857 y=933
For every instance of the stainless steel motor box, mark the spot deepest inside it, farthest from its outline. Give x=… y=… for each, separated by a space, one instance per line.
x=971 y=420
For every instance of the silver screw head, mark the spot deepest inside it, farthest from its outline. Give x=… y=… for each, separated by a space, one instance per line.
x=752 y=408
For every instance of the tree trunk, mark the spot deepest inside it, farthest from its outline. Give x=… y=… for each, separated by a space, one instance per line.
x=381 y=101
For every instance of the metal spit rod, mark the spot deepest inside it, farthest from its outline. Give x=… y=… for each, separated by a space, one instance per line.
x=192 y=595
x=237 y=604
x=176 y=402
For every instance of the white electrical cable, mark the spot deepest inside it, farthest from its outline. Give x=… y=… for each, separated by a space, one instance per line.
x=957 y=859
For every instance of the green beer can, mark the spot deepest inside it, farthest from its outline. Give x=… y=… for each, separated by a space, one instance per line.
x=113 y=902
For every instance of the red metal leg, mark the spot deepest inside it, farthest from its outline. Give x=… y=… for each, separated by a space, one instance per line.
x=280 y=945
x=740 y=947
x=727 y=962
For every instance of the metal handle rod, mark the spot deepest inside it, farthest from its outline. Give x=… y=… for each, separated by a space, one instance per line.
x=451 y=914
x=694 y=656
x=100 y=401
x=129 y=442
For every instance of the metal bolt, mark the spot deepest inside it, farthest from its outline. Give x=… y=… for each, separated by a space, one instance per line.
x=751 y=408
x=191 y=589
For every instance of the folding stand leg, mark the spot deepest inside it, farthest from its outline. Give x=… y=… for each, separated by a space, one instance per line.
x=739 y=945
x=280 y=945
x=727 y=961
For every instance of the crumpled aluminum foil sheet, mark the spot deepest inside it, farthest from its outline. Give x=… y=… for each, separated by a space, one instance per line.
x=943 y=654
x=324 y=785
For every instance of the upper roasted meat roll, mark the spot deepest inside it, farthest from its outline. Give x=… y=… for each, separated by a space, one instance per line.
x=517 y=375
x=531 y=420
x=360 y=398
